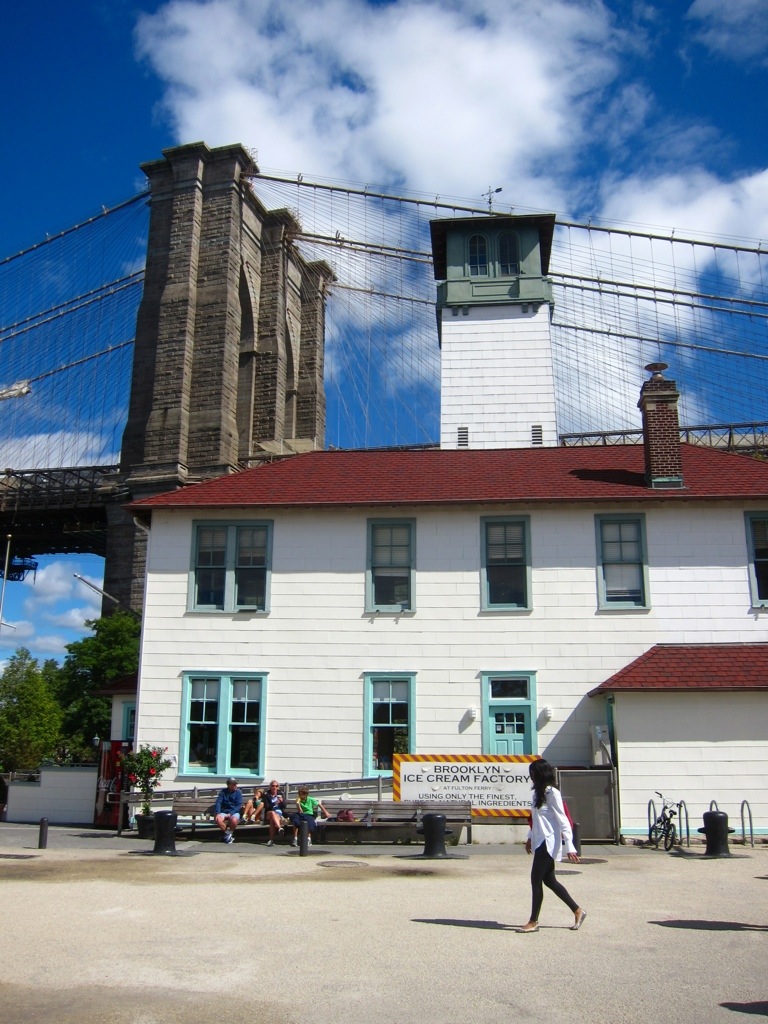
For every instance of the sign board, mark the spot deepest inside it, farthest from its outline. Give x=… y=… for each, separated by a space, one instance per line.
x=497 y=785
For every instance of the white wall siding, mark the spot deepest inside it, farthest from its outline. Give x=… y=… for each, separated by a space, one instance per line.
x=65 y=796
x=496 y=376
x=697 y=747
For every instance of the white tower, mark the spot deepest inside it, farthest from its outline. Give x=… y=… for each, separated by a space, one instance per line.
x=494 y=306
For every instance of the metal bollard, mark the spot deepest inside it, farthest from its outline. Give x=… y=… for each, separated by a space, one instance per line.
x=716 y=832
x=42 y=837
x=434 y=831
x=165 y=832
x=303 y=838
x=577 y=838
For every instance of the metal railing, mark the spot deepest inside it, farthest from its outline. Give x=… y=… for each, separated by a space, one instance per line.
x=745 y=804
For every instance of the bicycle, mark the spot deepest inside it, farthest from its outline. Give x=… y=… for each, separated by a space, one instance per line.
x=662 y=826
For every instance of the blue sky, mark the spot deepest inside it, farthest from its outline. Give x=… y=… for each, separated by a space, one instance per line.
x=648 y=113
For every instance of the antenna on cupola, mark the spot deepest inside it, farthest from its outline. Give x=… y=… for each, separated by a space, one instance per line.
x=489 y=196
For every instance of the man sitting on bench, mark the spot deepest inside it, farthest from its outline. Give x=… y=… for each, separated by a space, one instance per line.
x=229 y=807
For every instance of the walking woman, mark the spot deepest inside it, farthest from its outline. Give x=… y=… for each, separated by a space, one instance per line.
x=550 y=830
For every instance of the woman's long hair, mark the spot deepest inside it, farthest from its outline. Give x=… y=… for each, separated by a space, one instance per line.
x=542 y=776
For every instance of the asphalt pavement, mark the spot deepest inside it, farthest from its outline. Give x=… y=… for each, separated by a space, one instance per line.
x=97 y=928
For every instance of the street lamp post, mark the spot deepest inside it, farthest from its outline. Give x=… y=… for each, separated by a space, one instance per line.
x=5 y=580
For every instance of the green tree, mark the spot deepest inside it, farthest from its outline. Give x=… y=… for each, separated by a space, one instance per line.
x=30 y=716
x=92 y=664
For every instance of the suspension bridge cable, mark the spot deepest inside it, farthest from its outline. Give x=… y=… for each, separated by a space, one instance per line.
x=76 y=227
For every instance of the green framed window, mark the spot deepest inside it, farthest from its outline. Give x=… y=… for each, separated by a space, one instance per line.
x=231 y=565
x=622 y=578
x=757 y=545
x=506 y=563
x=391 y=561
x=223 y=718
x=509 y=254
x=389 y=720
x=477 y=255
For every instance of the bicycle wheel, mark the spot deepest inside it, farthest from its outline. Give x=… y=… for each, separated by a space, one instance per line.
x=670 y=836
x=652 y=836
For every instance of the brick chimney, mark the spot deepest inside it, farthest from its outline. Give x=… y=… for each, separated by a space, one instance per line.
x=661 y=430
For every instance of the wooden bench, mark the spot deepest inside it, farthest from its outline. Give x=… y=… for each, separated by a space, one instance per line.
x=389 y=820
x=375 y=820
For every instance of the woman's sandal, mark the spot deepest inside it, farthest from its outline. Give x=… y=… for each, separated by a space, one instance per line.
x=528 y=928
x=579 y=920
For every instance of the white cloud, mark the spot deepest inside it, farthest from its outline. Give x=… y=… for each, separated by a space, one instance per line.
x=737 y=29
x=74 y=618
x=422 y=91
x=54 y=584
x=46 y=450
x=694 y=199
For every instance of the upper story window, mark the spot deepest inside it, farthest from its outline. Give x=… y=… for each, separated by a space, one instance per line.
x=231 y=566
x=478 y=256
x=389 y=583
x=509 y=254
x=622 y=562
x=506 y=566
x=757 y=542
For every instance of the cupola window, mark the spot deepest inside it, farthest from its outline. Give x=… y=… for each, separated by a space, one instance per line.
x=478 y=256
x=509 y=254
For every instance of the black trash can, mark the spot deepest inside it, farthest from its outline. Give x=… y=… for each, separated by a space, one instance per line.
x=716 y=832
x=434 y=831
x=165 y=832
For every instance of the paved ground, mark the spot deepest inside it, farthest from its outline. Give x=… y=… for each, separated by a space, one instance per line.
x=96 y=929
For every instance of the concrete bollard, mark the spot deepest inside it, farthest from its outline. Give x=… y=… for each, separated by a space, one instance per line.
x=165 y=832
x=716 y=832
x=42 y=836
x=434 y=831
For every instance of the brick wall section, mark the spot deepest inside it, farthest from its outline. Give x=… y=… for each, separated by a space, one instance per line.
x=270 y=358
x=213 y=434
x=310 y=407
x=661 y=432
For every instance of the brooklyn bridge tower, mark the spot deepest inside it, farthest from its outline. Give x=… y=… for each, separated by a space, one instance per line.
x=228 y=358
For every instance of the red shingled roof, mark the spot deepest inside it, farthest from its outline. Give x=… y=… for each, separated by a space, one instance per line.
x=435 y=476
x=686 y=667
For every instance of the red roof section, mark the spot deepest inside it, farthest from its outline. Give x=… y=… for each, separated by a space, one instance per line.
x=436 y=476
x=682 y=667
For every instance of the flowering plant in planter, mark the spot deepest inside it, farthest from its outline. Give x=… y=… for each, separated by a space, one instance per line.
x=143 y=768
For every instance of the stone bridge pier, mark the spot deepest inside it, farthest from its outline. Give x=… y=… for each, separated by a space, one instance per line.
x=228 y=357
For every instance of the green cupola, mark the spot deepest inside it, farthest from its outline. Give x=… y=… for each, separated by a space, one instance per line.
x=493 y=260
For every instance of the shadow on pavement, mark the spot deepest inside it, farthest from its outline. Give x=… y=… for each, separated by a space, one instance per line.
x=713 y=926
x=458 y=923
x=760 y=1009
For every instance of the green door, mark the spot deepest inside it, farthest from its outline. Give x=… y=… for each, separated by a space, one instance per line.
x=509 y=729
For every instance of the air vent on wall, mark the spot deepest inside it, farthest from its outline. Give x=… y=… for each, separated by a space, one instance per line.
x=537 y=435
x=462 y=437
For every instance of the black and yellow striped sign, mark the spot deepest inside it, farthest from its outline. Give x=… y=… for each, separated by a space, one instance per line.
x=497 y=785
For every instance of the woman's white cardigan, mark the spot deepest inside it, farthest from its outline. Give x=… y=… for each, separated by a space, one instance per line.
x=550 y=825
